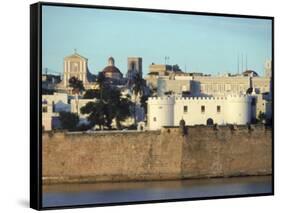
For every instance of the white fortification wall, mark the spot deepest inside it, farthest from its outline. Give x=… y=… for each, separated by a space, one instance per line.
x=168 y=111
x=160 y=112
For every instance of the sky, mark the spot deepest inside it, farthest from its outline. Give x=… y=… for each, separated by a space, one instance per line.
x=197 y=43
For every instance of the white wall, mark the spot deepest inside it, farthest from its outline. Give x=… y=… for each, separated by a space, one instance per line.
x=59 y=100
x=168 y=111
x=194 y=115
x=160 y=112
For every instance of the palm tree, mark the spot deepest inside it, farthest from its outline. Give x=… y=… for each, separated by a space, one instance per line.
x=77 y=87
x=138 y=89
x=101 y=80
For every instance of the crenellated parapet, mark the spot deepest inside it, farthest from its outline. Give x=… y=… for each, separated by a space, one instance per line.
x=169 y=110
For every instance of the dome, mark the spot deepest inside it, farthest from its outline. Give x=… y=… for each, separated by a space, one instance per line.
x=111 y=69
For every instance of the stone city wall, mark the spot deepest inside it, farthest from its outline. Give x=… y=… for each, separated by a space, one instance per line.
x=156 y=155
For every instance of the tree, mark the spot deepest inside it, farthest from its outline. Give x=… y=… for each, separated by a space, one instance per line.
x=77 y=88
x=120 y=107
x=91 y=94
x=76 y=85
x=68 y=120
x=138 y=89
x=101 y=80
x=113 y=106
x=96 y=111
x=143 y=100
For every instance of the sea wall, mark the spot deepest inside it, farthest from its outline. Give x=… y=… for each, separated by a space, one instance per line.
x=155 y=155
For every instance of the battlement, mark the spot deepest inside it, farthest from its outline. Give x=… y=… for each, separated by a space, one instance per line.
x=171 y=99
x=162 y=100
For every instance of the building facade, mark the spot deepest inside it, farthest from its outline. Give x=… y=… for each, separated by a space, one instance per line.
x=75 y=65
x=169 y=110
x=175 y=85
x=51 y=106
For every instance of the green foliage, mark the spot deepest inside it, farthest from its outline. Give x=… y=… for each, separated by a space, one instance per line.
x=91 y=94
x=143 y=100
x=96 y=111
x=139 y=84
x=76 y=85
x=111 y=106
x=101 y=80
x=68 y=120
x=138 y=89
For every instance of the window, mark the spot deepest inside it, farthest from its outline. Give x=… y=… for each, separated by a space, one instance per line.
x=218 y=109
x=202 y=109
x=45 y=109
x=185 y=109
x=154 y=119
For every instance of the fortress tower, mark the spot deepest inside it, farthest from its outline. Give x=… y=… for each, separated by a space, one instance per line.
x=160 y=112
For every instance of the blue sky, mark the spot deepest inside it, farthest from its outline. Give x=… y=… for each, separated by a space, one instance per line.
x=205 y=44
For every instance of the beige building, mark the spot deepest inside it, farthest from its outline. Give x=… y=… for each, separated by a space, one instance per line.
x=175 y=85
x=76 y=65
x=261 y=84
x=162 y=71
x=220 y=85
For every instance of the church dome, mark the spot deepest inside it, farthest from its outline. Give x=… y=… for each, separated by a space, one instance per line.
x=111 y=71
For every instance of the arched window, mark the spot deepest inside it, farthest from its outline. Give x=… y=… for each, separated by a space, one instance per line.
x=210 y=122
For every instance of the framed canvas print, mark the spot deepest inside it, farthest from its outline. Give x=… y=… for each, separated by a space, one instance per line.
x=133 y=105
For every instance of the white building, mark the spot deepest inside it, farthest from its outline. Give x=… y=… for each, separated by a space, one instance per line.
x=168 y=111
x=59 y=101
x=51 y=106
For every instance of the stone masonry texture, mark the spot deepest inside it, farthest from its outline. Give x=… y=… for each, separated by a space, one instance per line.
x=156 y=155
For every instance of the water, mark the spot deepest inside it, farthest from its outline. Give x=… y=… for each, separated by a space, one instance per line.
x=100 y=193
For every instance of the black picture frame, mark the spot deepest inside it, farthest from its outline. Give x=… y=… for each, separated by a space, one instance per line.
x=36 y=100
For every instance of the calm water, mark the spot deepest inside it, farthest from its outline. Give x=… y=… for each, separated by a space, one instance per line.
x=99 y=193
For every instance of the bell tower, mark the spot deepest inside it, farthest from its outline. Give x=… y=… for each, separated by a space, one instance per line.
x=134 y=67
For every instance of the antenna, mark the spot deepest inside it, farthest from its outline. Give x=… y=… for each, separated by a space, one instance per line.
x=75 y=50
x=166 y=58
x=246 y=63
x=242 y=64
